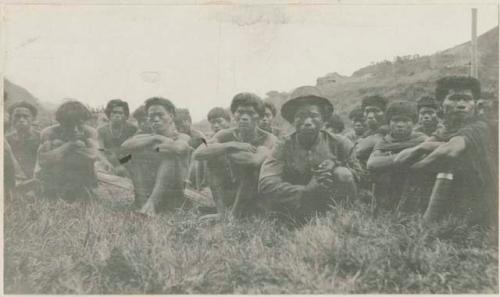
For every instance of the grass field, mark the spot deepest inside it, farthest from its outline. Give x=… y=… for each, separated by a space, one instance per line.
x=59 y=248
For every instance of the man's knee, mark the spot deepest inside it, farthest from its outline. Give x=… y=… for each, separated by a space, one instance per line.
x=343 y=175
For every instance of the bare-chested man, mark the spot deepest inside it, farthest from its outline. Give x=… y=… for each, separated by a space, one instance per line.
x=234 y=156
x=159 y=160
x=113 y=134
x=141 y=117
x=219 y=119
x=427 y=115
x=67 y=155
x=183 y=124
x=24 y=140
x=267 y=122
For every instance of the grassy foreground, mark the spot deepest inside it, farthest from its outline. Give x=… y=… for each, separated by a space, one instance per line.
x=59 y=248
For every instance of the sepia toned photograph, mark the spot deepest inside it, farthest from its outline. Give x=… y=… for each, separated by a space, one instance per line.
x=250 y=148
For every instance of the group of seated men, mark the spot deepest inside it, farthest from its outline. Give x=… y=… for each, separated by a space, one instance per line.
x=436 y=157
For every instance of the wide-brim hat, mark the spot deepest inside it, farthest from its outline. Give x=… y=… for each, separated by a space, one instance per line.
x=305 y=95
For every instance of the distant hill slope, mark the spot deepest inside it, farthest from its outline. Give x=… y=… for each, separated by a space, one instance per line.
x=14 y=93
x=407 y=77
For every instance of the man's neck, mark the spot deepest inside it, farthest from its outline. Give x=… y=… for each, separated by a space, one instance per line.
x=24 y=133
x=453 y=123
x=429 y=128
x=117 y=125
x=267 y=128
x=247 y=135
x=307 y=141
x=168 y=132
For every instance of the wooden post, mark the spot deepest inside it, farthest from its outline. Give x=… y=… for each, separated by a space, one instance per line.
x=474 y=68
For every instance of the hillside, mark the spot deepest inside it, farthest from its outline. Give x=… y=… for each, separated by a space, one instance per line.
x=14 y=93
x=407 y=77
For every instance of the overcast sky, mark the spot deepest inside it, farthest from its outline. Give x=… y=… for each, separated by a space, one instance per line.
x=200 y=56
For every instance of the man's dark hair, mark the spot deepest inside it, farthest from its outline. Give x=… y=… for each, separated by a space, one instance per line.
x=445 y=84
x=218 y=112
x=374 y=100
x=427 y=101
x=116 y=103
x=356 y=115
x=140 y=113
x=167 y=104
x=401 y=108
x=182 y=114
x=271 y=107
x=24 y=104
x=72 y=112
x=336 y=122
x=248 y=99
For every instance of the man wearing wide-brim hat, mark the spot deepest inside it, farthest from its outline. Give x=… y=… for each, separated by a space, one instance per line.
x=310 y=168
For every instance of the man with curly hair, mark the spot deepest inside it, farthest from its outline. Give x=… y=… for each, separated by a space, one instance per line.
x=266 y=123
x=24 y=140
x=67 y=155
x=234 y=157
x=159 y=160
x=112 y=135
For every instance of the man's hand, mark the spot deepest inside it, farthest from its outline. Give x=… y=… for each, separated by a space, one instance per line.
x=319 y=184
x=77 y=144
x=242 y=146
x=325 y=166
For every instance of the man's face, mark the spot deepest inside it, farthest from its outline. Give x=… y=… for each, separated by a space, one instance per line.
x=117 y=115
x=266 y=121
x=374 y=116
x=183 y=126
x=401 y=127
x=308 y=121
x=427 y=116
x=458 y=104
x=482 y=106
x=246 y=117
x=359 y=127
x=22 y=119
x=143 y=124
x=218 y=124
x=75 y=131
x=159 y=118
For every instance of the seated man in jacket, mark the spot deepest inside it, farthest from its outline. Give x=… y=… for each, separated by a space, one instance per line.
x=67 y=155
x=310 y=169
x=159 y=160
x=234 y=157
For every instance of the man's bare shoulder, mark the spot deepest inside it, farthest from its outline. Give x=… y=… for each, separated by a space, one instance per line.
x=49 y=132
x=224 y=135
